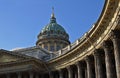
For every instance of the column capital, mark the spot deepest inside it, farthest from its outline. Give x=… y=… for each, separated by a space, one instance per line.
x=60 y=70
x=88 y=59
x=68 y=67
x=81 y=64
x=97 y=52
x=115 y=34
x=107 y=44
x=77 y=63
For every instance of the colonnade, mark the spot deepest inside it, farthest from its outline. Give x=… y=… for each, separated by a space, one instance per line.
x=103 y=63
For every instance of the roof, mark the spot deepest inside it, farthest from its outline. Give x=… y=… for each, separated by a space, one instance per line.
x=54 y=30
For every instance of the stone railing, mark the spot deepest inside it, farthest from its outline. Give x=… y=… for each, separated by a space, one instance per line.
x=73 y=45
x=83 y=38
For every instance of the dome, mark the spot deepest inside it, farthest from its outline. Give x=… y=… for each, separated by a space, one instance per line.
x=53 y=36
x=53 y=29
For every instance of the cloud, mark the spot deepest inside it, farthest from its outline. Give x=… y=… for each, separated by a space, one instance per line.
x=17 y=48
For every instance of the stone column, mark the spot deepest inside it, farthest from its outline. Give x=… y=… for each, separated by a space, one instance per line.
x=79 y=70
x=41 y=76
x=115 y=36
x=98 y=64
x=25 y=76
x=51 y=75
x=31 y=74
x=90 y=73
x=8 y=75
x=55 y=46
x=110 y=71
x=76 y=76
x=70 y=72
x=60 y=74
x=37 y=75
x=19 y=75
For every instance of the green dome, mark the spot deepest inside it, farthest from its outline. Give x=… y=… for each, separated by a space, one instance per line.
x=53 y=36
x=53 y=29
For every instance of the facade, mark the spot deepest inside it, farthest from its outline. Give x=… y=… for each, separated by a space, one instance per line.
x=94 y=55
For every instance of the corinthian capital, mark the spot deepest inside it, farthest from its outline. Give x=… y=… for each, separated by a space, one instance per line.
x=115 y=34
x=97 y=52
x=88 y=59
x=107 y=44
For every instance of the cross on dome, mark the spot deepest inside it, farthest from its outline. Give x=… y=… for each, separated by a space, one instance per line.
x=52 y=15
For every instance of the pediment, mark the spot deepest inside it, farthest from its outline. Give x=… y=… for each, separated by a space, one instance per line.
x=7 y=56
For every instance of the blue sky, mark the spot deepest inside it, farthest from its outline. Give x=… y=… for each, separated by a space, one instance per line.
x=22 y=20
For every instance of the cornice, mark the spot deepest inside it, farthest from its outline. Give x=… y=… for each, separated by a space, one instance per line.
x=32 y=64
x=98 y=33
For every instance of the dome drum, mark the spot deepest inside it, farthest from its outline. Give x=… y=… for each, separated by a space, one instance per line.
x=53 y=35
x=53 y=45
x=44 y=41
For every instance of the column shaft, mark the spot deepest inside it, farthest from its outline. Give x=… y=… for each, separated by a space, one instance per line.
x=110 y=70
x=31 y=74
x=70 y=72
x=90 y=73
x=98 y=64
x=25 y=76
x=116 y=43
x=79 y=70
x=8 y=75
x=41 y=76
x=37 y=76
x=51 y=75
x=60 y=74
x=19 y=75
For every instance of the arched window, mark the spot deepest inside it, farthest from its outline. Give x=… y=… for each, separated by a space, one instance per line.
x=52 y=48
x=46 y=47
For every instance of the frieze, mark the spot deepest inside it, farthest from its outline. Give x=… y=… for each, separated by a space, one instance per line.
x=101 y=26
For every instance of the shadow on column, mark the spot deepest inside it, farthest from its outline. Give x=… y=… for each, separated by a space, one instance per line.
x=3 y=76
x=65 y=75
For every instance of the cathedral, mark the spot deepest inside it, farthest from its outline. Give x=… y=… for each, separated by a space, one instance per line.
x=94 y=55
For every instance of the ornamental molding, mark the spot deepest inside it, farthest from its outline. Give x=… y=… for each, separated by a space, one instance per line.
x=100 y=31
